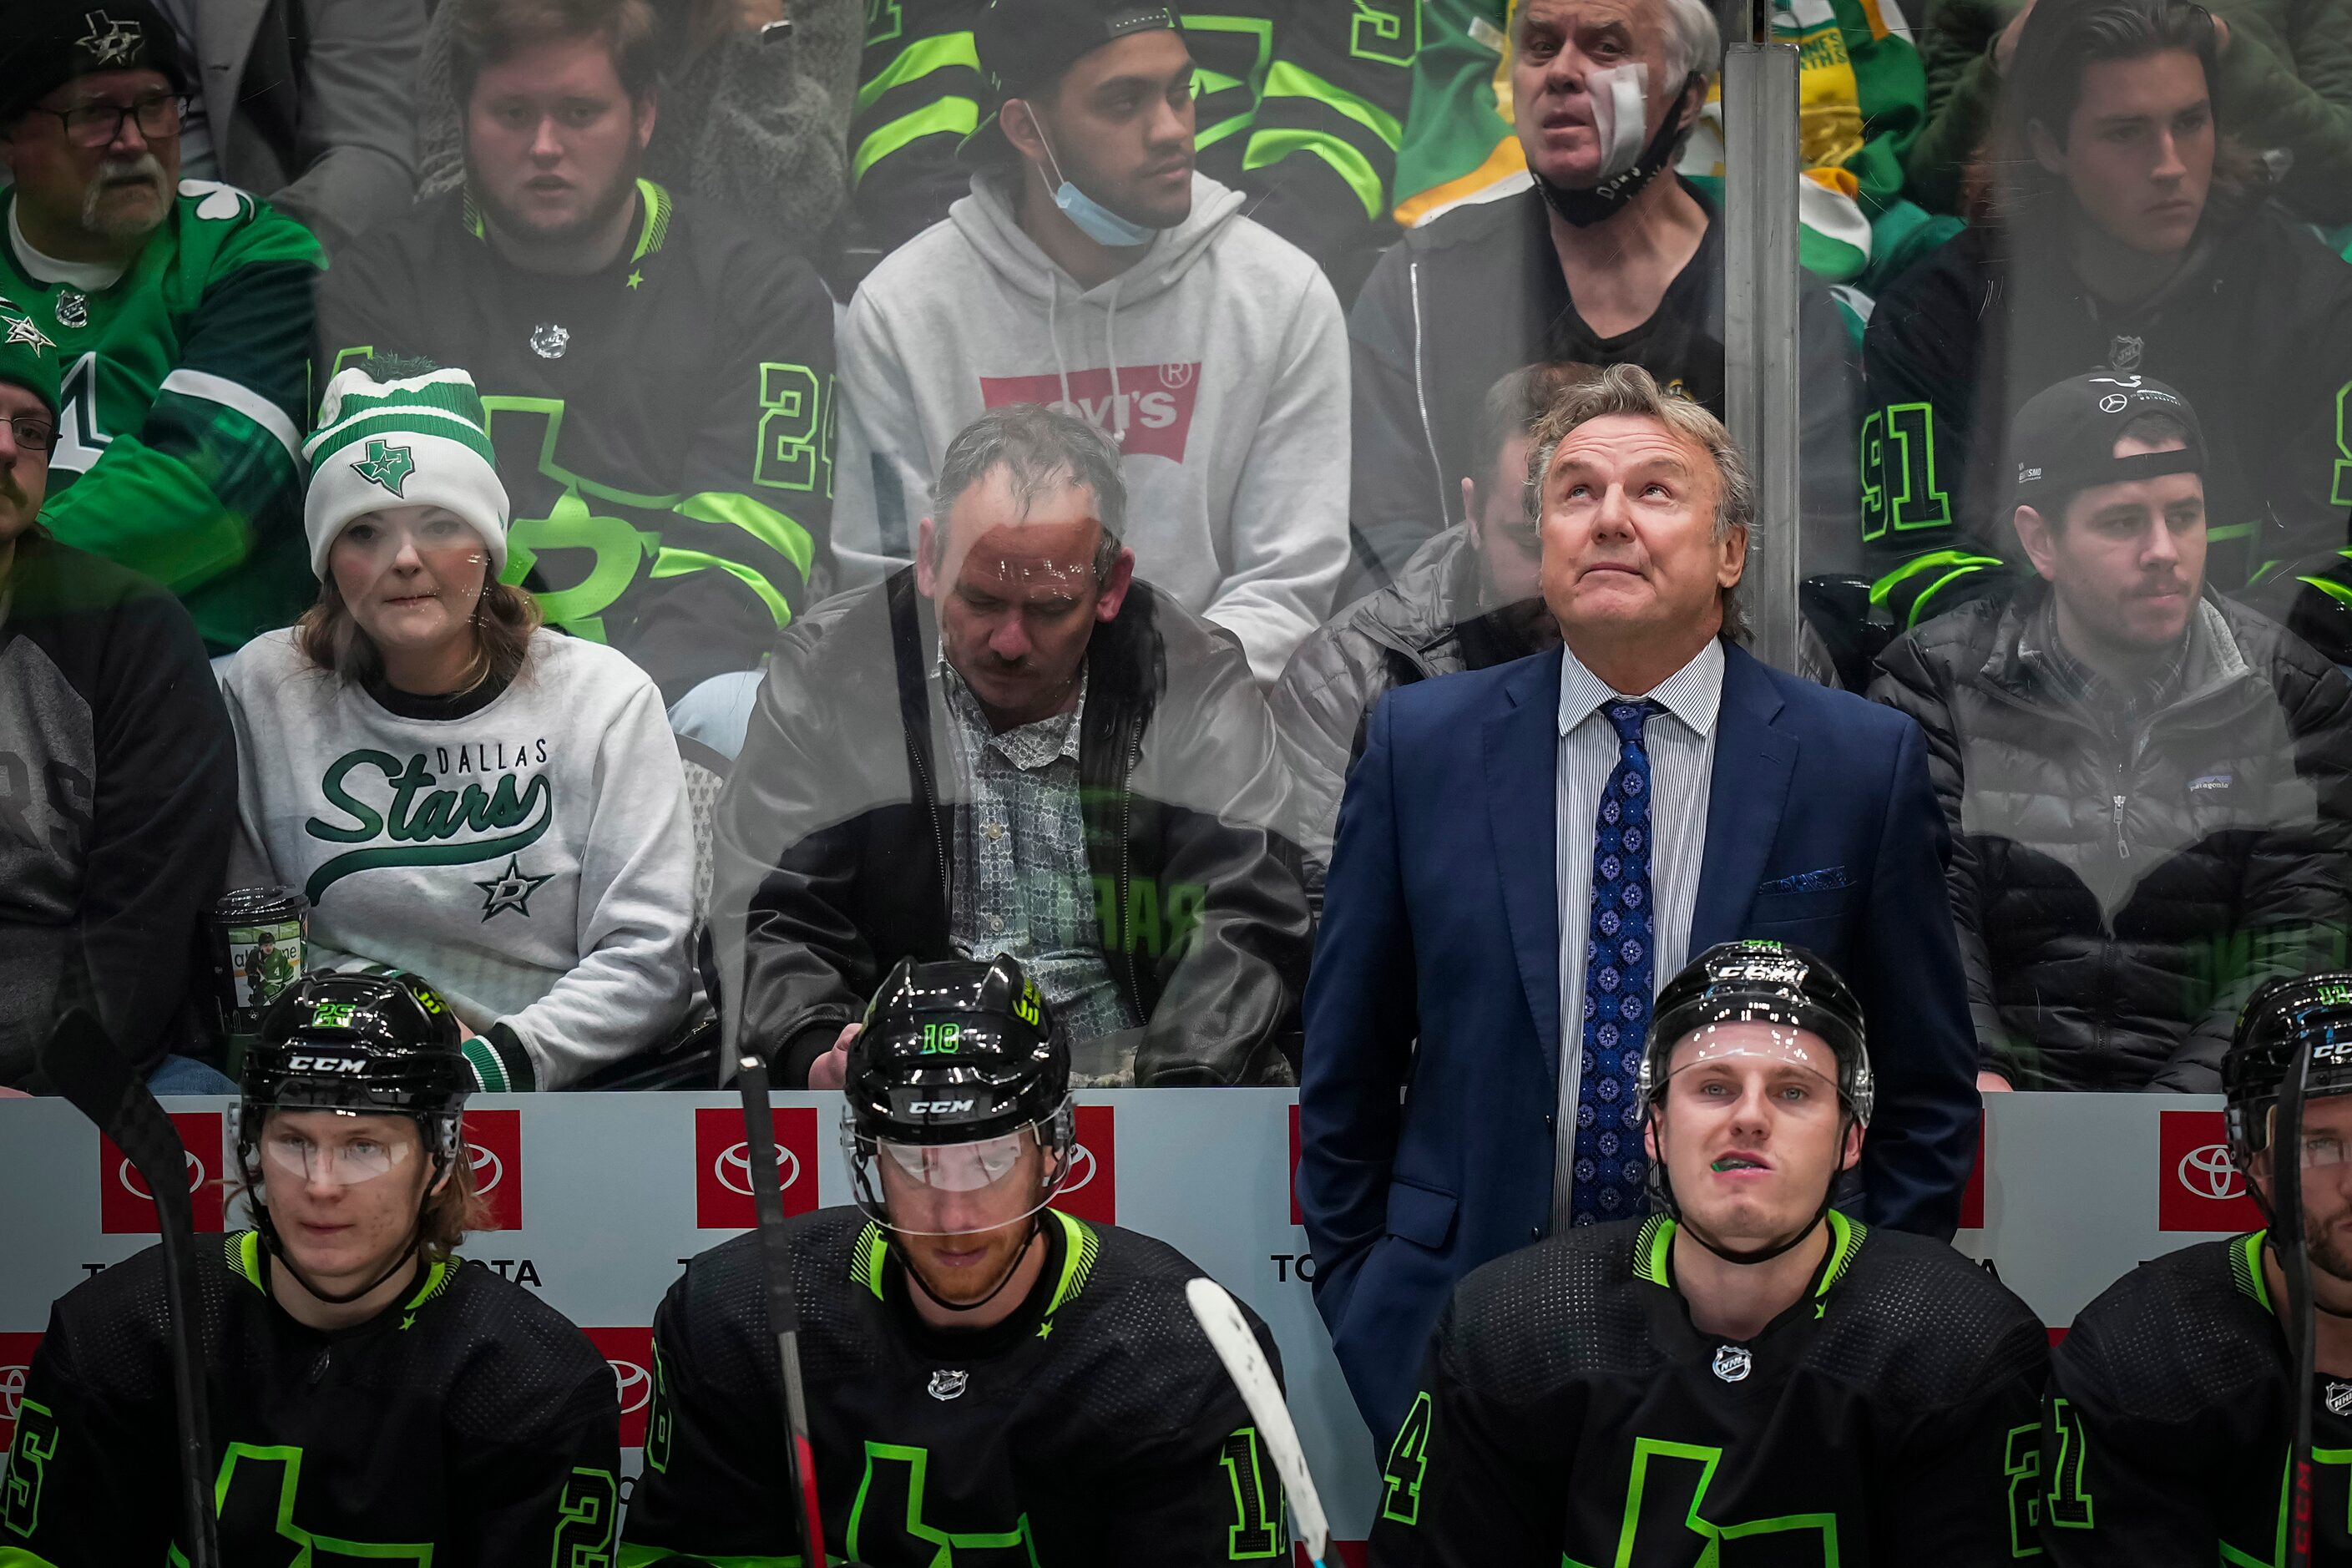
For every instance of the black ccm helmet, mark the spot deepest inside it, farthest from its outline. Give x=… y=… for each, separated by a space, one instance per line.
x=1756 y=982
x=954 y=1054
x=377 y=1044
x=2281 y=1021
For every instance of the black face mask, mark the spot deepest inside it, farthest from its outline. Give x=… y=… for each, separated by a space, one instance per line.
x=1582 y=209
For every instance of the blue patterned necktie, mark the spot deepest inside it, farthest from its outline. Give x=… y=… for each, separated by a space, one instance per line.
x=1618 y=960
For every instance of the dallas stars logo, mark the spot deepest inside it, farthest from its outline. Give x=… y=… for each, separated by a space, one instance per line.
x=109 y=42
x=509 y=889
x=21 y=330
x=386 y=465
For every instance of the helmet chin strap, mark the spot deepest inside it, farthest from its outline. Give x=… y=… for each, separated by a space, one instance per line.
x=906 y=1262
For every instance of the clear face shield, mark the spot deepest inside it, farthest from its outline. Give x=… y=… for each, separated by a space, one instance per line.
x=1719 y=1066
x=961 y=1189
x=352 y=1149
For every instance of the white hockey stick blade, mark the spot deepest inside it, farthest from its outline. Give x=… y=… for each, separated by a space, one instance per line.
x=1229 y=1334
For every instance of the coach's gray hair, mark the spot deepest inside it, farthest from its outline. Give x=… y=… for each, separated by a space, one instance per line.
x=1040 y=449
x=1693 y=39
x=1628 y=390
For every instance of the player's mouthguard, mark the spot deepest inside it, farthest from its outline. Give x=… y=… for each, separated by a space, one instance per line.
x=1737 y=1163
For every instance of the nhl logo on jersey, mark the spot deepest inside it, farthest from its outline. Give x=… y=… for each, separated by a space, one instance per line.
x=108 y=42
x=1732 y=1362
x=549 y=339
x=2124 y=354
x=73 y=310
x=947 y=1384
x=2339 y=1399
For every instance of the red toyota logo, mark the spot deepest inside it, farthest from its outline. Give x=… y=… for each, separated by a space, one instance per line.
x=630 y=1354
x=125 y=1207
x=2199 y=1187
x=1091 y=1190
x=16 y=1366
x=494 y=1153
x=723 y=1166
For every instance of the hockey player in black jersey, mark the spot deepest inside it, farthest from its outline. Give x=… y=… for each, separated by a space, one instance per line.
x=990 y=1382
x=1748 y=1377
x=2171 y=1397
x=373 y=1399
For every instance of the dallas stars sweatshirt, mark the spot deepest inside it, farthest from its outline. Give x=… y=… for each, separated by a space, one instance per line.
x=528 y=855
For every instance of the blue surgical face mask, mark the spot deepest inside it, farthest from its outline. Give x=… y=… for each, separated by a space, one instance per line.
x=1096 y=221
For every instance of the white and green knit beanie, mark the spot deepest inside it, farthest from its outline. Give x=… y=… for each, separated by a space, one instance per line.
x=418 y=440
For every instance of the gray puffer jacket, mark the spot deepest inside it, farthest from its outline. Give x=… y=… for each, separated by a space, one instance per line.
x=1426 y=623
x=2119 y=895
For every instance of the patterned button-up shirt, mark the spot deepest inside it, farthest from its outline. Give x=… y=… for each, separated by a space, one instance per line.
x=1023 y=883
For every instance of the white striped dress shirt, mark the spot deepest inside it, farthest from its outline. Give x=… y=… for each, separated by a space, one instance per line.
x=1681 y=744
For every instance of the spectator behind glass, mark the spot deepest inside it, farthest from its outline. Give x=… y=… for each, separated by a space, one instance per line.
x=1016 y=746
x=117 y=780
x=2284 y=86
x=1091 y=268
x=2150 y=785
x=1525 y=852
x=754 y=115
x=461 y=793
x=659 y=377
x=1603 y=262
x=2121 y=234
x=1470 y=597
x=181 y=317
x=1301 y=107
x=306 y=101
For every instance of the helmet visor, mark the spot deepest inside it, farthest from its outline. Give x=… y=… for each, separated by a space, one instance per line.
x=368 y=1149
x=1718 y=1061
x=960 y=1189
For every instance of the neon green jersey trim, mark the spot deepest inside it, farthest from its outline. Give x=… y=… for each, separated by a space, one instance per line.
x=1273 y=146
x=949 y=116
x=675 y=563
x=763 y=522
x=919 y=58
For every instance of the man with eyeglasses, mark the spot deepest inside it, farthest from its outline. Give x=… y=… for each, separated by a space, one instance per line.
x=180 y=313
x=117 y=772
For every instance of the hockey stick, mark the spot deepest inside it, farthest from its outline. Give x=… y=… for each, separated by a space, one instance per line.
x=783 y=1313
x=1230 y=1337
x=83 y=1061
x=2295 y=1266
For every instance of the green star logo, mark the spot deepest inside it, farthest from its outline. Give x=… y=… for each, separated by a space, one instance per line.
x=386 y=465
x=509 y=889
x=636 y=280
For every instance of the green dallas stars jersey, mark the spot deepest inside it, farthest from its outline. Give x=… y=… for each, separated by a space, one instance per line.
x=1572 y=1416
x=2166 y=1438
x=179 y=448
x=664 y=428
x=1093 y=1427
x=467 y=1426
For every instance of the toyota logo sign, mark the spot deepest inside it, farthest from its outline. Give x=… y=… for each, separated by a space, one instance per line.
x=1082 y=1169
x=126 y=1207
x=136 y=1185
x=1091 y=1189
x=2209 y=1172
x=734 y=1170
x=634 y=1384
x=488 y=1169
x=12 y=1390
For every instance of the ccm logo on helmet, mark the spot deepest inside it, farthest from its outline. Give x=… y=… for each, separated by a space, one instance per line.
x=2335 y=1053
x=938 y=1106
x=326 y=1064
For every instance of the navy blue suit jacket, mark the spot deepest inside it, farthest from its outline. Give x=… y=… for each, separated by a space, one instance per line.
x=1442 y=922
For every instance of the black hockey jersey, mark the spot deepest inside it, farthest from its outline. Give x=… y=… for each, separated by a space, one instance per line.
x=1572 y=1416
x=664 y=426
x=468 y=1426
x=2166 y=1438
x=1093 y=1426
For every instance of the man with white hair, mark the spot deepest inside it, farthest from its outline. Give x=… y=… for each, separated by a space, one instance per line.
x=1602 y=262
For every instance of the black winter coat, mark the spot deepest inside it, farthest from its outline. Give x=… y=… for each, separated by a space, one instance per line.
x=831 y=841
x=2118 y=896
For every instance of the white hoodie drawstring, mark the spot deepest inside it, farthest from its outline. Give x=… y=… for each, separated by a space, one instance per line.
x=1053 y=334
x=1111 y=347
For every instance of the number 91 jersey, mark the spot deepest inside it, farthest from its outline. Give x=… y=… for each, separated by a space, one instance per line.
x=1572 y=1417
x=1094 y=1425
x=467 y=1425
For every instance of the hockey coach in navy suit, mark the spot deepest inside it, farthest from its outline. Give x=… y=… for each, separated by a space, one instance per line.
x=1526 y=853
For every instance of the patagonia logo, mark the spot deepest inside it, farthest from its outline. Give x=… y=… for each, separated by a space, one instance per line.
x=396 y=813
x=2206 y=783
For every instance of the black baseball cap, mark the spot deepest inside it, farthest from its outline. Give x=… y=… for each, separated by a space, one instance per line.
x=44 y=44
x=1025 y=44
x=2063 y=439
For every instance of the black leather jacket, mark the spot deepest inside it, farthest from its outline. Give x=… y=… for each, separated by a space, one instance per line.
x=832 y=842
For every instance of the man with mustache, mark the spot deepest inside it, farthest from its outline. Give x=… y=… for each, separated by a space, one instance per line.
x=1014 y=746
x=2146 y=783
x=181 y=314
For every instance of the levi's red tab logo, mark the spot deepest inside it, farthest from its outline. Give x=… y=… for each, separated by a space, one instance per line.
x=630 y=1354
x=494 y=1149
x=1092 y=1191
x=16 y=1368
x=722 y=1165
x=2198 y=1186
x=1149 y=414
x=125 y=1207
